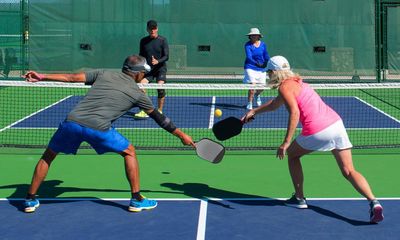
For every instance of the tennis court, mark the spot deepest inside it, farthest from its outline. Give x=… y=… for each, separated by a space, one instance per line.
x=200 y=219
x=52 y=115
x=87 y=195
x=242 y=197
x=191 y=106
x=348 y=51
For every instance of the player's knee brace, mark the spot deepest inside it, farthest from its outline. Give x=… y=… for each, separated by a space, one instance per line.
x=161 y=93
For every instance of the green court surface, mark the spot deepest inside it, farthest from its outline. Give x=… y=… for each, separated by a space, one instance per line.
x=183 y=175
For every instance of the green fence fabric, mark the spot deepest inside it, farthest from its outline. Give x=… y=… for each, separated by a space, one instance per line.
x=290 y=28
x=11 y=54
x=319 y=37
x=393 y=40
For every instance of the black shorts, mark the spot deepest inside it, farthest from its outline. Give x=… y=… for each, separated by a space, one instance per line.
x=158 y=75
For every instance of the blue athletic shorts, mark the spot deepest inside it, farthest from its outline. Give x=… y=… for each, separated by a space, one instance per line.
x=70 y=135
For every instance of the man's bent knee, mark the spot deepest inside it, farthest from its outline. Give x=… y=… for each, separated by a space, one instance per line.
x=129 y=151
x=49 y=155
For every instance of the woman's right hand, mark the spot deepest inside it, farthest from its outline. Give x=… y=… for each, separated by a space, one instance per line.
x=281 y=152
x=249 y=116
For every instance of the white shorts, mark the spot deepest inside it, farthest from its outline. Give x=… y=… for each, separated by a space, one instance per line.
x=254 y=77
x=332 y=137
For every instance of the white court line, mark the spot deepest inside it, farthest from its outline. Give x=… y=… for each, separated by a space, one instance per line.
x=211 y=121
x=377 y=109
x=102 y=199
x=197 y=199
x=157 y=128
x=312 y=199
x=201 y=227
x=9 y=126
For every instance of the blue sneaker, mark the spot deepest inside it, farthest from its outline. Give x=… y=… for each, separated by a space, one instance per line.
x=296 y=202
x=145 y=204
x=375 y=211
x=30 y=205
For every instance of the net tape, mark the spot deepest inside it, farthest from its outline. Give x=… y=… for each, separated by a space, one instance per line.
x=202 y=86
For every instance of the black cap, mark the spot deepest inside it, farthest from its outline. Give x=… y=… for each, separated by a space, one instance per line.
x=151 y=24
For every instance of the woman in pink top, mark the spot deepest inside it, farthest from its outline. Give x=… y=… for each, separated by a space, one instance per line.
x=322 y=130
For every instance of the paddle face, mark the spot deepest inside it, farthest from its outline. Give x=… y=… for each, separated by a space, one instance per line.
x=209 y=150
x=227 y=128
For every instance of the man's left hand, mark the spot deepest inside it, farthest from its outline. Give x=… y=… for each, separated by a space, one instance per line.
x=187 y=140
x=33 y=76
x=154 y=61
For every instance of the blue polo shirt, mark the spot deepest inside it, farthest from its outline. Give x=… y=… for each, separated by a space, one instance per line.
x=255 y=55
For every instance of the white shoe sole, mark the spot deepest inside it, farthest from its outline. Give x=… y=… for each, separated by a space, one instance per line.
x=297 y=206
x=140 y=117
x=134 y=209
x=31 y=209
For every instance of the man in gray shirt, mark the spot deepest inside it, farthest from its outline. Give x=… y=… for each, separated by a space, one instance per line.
x=112 y=94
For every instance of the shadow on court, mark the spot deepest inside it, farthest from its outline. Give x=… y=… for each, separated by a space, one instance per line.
x=203 y=191
x=331 y=214
x=52 y=189
x=223 y=106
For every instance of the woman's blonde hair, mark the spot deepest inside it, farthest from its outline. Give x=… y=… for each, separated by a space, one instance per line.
x=278 y=76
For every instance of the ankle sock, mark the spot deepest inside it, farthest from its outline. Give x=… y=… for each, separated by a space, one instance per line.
x=30 y=196
x=137 y=196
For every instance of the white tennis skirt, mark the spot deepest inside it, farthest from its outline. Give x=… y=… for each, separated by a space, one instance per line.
x=254 y=77
x=332 y=137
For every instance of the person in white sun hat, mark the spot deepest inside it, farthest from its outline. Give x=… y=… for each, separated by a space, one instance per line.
x=254 y=65
x=322 y=130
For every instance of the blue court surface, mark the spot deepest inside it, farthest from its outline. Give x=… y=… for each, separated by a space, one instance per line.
x=198 y=219
x=354 y=111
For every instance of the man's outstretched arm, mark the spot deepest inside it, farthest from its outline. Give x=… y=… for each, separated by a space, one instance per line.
x=166 y=123
x=32 y=76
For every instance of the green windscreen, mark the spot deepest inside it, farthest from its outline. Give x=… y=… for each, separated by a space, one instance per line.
x=11 y=54
x=328 y=40
x=320 y=38
x=393 y=42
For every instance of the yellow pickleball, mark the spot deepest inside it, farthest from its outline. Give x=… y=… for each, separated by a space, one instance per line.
x=218 y=112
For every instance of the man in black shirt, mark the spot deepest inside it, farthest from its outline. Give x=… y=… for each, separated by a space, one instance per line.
x=155 y=49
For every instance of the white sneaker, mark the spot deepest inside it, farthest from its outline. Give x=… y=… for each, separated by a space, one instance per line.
x=259 y=101
x=249 y=106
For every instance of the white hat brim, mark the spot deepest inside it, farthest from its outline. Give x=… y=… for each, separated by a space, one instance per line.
x=249 y=34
